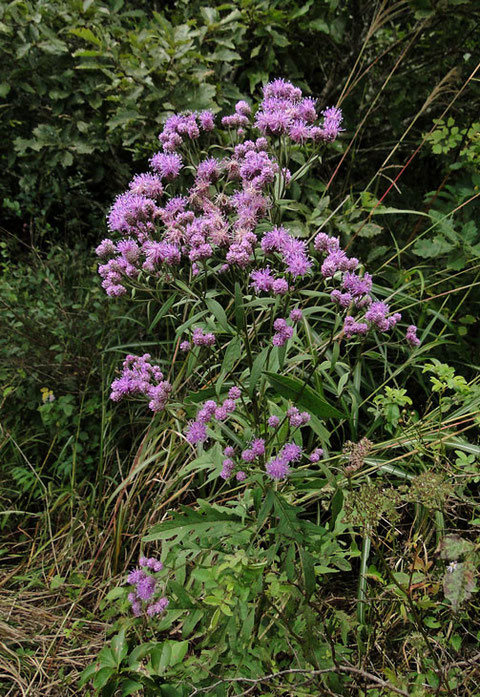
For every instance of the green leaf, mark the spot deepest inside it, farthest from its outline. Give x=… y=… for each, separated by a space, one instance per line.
x=459 y=584
x=210 y=523
x=129 y=687
x=102 y=677
x=86 y=35
x=219 y=313
x=87 y=674
x=308 y=572
x=303 y=395
x=232 y=354
x=239 y=311
x=163 y=311
x=160 y=657
x=138 y=654
x=179 y=650
x=119 y=647
x=428 y=249
x=453 y=546
x=256 y=371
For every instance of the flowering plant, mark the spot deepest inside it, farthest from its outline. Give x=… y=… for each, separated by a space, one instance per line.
x=273 y=372
x=211 y=221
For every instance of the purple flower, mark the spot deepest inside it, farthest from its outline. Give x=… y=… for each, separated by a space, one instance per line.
x=207 y=412
x=168 y=166
x=199 y=338
x=343 y=299
x=221 y=413
x=146 y=184
x=352 y=327
x=158 y=607
x=258 y=447
x=229 y=451
x=377 y=315
x=234 y=392
x=290 y=452
x=273 y=421
x=283 y=332
x=208 y=170
x=356 y=285
x=315 y=455
x=298 y=264
x=154 y=564
x=277 y=468
x=325 y=243
x=136 y=576
x=228 y=466
x=331 y=122
x=337 y=261
x=243 y=108
x=411 y=336
x=240 y=476
x=146 y=588
x=229 y=405
x=185 y=346
x=296 y=315
x=206 y=120
x=248 y=455
x=137 y=608
x=297 y=419
x=130 y=213
x=105 y=248
x=139 y=377
x=196 y=433
x=262 y=280
x=280 y=286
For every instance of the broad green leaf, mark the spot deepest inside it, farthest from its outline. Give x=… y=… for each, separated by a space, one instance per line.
x=303 y=395
x=102 y=677
x=178 y=651
x=210 y=523
x=86 y=34
x=308 y=572
x=119 y=647
x=257 y=369
x=219 y=313
x=160 y=657
x=130 y=687
x=459 y=584
x=453 y=546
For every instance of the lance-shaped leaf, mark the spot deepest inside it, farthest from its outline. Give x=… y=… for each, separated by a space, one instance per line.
x=303 y=395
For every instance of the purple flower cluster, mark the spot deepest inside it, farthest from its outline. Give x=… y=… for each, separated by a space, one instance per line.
x=292 y=251
x=240 y=119
x=181 y=126
x=283 y=332
x=166 y=165
x=140 y=377
x=208 y=222
x=194 y=227
x=200 y=338
x=278 y=467
x=411 y=336
x=145 y=586
x=296 y=419
x=354 y=294
x=284 y=111
x=209 y=411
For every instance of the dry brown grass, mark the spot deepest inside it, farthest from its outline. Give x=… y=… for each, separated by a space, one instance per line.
x=45 y=643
